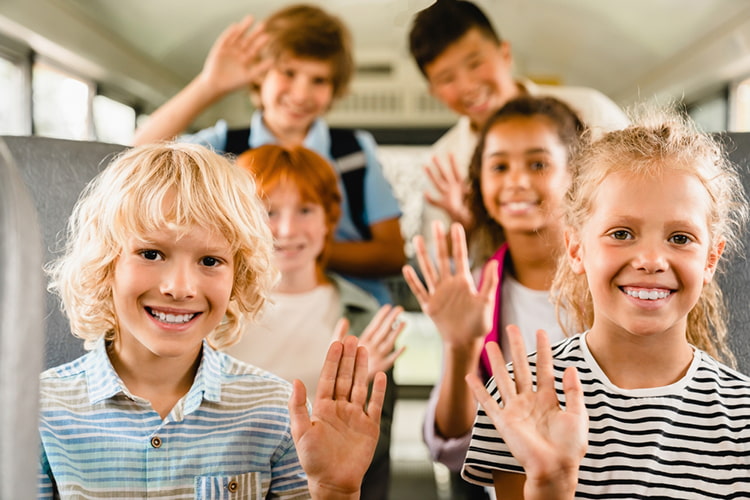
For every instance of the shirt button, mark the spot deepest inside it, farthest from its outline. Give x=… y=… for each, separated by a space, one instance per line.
x=232 y=486
x=156 y=442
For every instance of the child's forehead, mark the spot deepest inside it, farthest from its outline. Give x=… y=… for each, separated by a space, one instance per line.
x=321 y=65
x=189 y=233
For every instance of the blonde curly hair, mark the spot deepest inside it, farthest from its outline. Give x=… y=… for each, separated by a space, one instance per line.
x=127 y=198
x=660 y=139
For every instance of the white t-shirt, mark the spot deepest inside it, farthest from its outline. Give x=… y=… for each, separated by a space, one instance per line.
x=530 y=310
x=292 y=336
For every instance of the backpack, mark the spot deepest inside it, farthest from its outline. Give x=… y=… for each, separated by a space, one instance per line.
x=351 y=164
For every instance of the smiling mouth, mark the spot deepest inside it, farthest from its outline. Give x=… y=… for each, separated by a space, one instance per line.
x=175 y=319
x=647 y=294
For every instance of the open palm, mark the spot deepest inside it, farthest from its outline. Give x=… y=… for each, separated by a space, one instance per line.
x=548 y=441
x=461 y=312
x=336 y=444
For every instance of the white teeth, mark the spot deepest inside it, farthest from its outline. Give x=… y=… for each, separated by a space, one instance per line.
x=172 y=318
x=518 y=205
x=648 y=294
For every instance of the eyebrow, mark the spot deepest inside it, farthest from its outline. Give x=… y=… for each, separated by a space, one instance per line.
x=526 y=152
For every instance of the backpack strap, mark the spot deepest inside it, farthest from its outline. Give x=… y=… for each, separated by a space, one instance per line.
x=237 y=141
x=352 y=164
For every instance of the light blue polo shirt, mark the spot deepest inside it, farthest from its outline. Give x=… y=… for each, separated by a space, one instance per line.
x=228 y=437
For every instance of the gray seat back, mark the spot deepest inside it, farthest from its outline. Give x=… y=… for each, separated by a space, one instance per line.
x=21 y=333
x=735 y=279
x=56 y=171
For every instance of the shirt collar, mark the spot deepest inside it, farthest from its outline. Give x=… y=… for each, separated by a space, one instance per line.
x=318 y=138
x=101 y=379
x=104 y=383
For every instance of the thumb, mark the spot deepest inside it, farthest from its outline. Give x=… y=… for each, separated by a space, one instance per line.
x=298 y=414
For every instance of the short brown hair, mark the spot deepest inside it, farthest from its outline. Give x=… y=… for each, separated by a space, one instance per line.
x=307 y=31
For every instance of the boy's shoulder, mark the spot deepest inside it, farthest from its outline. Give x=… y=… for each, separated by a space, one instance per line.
x=78 y=366
x=234 y=371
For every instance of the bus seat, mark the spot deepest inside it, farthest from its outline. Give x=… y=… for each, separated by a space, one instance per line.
x=735 y=279
x=21 y=332
x=55 y=171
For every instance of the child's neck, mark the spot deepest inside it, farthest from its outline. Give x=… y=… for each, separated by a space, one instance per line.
x=534 y=258
x=161 y=381
x=287 y=138
x=633 y=362
x=299 y=281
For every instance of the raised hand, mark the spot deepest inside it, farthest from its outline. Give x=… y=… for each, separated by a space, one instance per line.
x=379 y=338
x=234 y=60
x=452 y=190
x=461 y=312
x=336 y=445
x=547 y=441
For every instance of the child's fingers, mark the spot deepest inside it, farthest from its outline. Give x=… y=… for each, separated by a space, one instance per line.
x=300 y=418
x=485 y=400
x=457 y=176
x=377 y=324
x=391 y=359
x=436 y=176
x=490 y=279
x=360 y=381
x=460 y=250
x=504 y=382
x=327 y=380
x=341 y=329
x=386 y=335
x=425 y=263
x=545 y=378
x=574 y=401
x=415 y=285
x=346 y=368
x=235 y=31
x=441 y=250
x=521 y=370
x=377 y=397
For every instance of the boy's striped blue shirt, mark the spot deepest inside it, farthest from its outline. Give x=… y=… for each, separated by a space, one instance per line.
x=228 y=437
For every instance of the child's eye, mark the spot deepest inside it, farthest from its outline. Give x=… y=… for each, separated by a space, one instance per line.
x=499 y=167
x=538 y=165
x=321 y=81
x=621 y=234
x=150 y=254
x=680 y=239
x=210 y=261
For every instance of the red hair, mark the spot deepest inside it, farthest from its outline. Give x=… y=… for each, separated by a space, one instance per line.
x=313 y=176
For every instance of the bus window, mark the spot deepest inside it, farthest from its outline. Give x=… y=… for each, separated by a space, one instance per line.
x=60 y=103
x=113 y=121
x=741 y=106
x=12 y=117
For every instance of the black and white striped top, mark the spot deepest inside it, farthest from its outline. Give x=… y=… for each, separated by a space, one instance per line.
x=687 y=440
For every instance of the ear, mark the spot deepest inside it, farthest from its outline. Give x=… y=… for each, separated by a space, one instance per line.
x=574 y=251
x=712 y=261
x=505 y=52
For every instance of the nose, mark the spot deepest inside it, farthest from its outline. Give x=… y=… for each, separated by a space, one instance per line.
x=466 y=81
x=518 y=177
x=179 y=280
x=283 y=225
x=300 y=89
x=650 y=258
